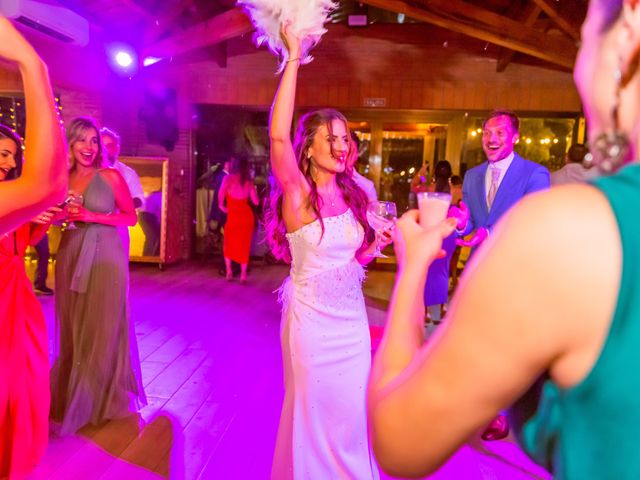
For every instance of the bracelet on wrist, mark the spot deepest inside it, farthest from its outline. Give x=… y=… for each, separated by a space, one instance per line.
x=293 y=59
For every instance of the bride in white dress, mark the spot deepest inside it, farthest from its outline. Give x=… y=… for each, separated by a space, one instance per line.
x=317 y=221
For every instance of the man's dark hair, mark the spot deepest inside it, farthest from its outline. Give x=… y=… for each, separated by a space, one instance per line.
x=576 y=153
x=513 y=118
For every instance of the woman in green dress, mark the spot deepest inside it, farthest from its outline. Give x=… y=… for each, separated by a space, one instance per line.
x=96 y=376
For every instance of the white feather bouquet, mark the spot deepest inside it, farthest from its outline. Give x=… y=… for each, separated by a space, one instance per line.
x=305 y=17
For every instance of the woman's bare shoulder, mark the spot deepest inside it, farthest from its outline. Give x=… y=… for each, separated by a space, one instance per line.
x=561 y=249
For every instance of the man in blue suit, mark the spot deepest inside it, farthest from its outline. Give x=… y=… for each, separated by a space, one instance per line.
x=493 y=187
x=490 y=190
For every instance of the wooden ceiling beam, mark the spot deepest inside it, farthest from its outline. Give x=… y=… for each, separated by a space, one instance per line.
x=566 y=25
x=220 y=28
x=163 y=22
x=494 y=28
x=529 y=16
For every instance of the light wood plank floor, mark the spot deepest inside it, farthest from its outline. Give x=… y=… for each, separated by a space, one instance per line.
x=212 y=370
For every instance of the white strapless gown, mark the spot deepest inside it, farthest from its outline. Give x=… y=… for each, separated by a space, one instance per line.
x=326 y=352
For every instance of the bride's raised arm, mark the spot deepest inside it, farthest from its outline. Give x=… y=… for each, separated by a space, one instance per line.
x=283 y=161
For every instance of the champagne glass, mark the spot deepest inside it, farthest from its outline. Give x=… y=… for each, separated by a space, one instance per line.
x=381 y=216
x=76 y=200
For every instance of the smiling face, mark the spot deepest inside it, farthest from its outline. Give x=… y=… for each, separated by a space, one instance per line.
x=8 y=152
x=498 y=138
x=111 y=148
x=330 y=147
x=86 y=147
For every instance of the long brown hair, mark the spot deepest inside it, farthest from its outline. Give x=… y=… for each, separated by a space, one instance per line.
x=239 y=165
x=352 y=194
x=442 y=174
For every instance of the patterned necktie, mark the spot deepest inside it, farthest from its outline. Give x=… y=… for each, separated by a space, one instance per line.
x=493 y=189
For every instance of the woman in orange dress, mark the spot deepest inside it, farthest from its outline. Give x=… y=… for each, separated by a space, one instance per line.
x=24 y=364
x=236 y=191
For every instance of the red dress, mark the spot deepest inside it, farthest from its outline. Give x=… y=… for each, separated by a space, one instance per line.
x=238 y=230
x=24 y=363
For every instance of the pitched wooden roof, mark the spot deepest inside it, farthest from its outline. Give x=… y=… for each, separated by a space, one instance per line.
x=545 y=32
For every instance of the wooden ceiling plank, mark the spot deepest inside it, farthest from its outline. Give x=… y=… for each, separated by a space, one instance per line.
x=520 y=39
x=566 y=25
x=220 y=28
x=529 y=16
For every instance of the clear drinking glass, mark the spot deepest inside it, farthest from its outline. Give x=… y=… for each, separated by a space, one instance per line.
x=433 y=207
x=74 y=199
x=381 y=216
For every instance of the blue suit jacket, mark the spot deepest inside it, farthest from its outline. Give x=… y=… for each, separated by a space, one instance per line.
x=522 y=177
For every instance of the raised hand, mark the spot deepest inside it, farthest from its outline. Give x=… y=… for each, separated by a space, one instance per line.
x=461 y=214
x=13 y=46
x=291 y=41
x=418 y=246
x=480 y=236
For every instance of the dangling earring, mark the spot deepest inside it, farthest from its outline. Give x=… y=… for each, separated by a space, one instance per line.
x=610 y=150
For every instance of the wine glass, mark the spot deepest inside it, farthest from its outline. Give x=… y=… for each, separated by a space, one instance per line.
x=381 y=216
x=75 y=199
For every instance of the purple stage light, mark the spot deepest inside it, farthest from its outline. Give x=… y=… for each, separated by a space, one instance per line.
x=124 y=59
x=148 y=61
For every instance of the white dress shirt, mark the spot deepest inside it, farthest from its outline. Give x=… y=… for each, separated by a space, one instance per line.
x=502 y=166
x=132 y=180
x=573 y=173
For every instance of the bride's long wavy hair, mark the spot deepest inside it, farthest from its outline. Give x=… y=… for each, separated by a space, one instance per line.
x=353 y=195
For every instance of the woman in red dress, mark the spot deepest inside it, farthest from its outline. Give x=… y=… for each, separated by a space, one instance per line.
x=236 y=191
x=24 y=368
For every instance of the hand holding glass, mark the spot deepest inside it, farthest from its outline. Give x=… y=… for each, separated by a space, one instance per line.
x=74 y=199
x=381 y=217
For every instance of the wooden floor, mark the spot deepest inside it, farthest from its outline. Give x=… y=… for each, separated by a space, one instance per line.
x=212 y=371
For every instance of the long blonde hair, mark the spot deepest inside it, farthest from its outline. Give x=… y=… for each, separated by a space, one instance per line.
x=77 y=127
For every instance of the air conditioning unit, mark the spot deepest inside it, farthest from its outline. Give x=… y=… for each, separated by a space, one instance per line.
x=48 y=17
